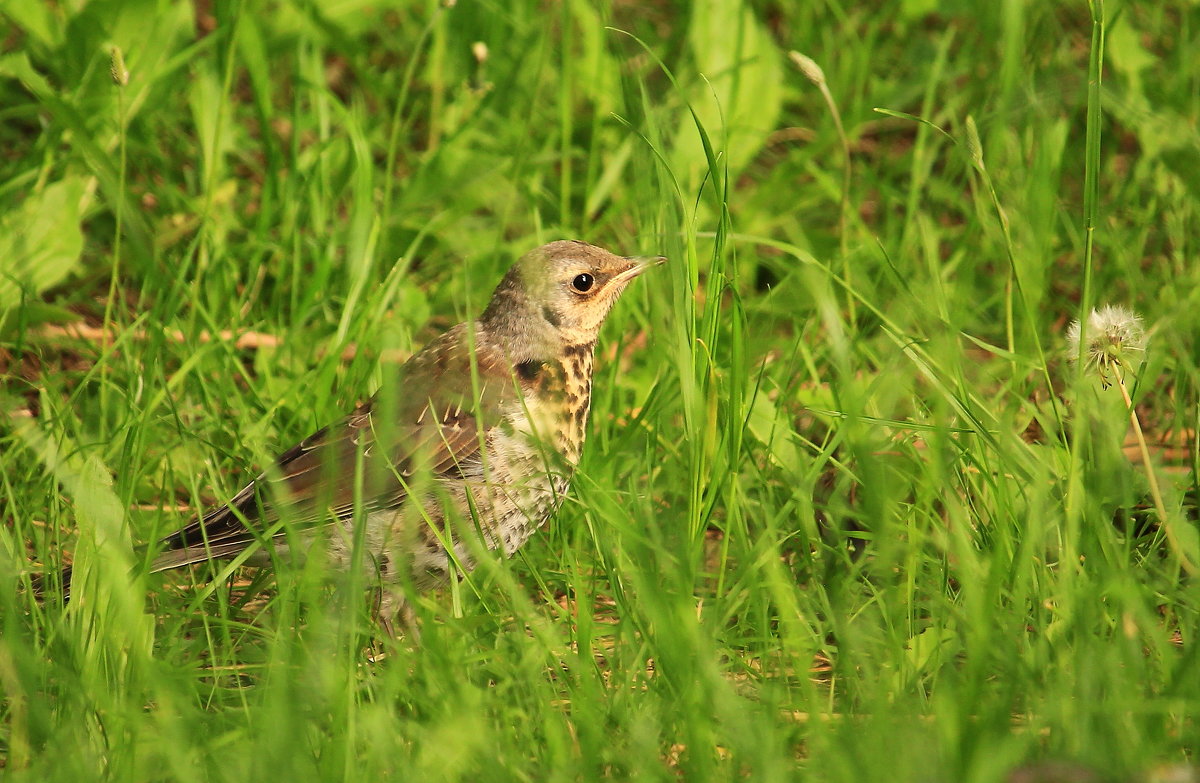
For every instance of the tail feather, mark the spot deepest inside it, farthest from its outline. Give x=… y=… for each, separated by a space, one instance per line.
x=187 y=555
x=172 y=558
x=216 y=535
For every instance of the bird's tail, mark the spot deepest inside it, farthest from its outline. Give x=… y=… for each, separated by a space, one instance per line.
x=187 y=555
x=42 y=584
x=221 y=531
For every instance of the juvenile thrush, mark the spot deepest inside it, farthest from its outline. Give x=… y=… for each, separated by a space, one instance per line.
x=481 y=437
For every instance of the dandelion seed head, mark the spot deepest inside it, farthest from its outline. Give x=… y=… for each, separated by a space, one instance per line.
x=1113 y=340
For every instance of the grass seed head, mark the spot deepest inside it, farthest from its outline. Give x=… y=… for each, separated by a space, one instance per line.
x=116 y=67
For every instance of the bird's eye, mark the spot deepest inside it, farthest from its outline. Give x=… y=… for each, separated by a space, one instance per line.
x=583 y=283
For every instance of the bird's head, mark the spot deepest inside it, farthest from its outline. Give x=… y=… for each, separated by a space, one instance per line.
x=561 y=293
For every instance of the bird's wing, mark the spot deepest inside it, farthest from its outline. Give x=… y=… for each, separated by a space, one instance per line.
x=449 y=395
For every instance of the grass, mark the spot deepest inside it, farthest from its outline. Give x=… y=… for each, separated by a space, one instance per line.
x=846 y=512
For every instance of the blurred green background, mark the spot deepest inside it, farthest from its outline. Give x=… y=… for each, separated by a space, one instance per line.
x=846 y=513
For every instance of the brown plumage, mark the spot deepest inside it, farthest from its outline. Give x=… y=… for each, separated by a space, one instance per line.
x=484 y=428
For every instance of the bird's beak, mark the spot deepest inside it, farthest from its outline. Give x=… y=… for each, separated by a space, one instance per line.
x=637 y=265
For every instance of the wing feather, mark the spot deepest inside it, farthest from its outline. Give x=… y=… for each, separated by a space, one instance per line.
x=436 y=429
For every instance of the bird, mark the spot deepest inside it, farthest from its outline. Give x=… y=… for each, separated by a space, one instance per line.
x=479 y=435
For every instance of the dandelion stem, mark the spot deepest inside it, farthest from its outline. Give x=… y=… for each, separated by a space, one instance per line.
x=1152 y=479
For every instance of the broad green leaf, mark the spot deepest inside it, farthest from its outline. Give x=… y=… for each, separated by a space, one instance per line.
x=36 y=20
x=773 y=430
x=108 y=609
x=596 y=68
x=41 y=241
x=31 y=314
x=738 y=105
x=1125 y=49
x=931 y=646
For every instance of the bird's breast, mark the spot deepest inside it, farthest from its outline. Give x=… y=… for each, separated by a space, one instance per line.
x=577 y=400
x=552 y=413
x=555 y=397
